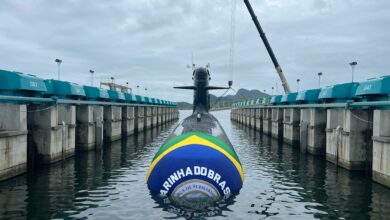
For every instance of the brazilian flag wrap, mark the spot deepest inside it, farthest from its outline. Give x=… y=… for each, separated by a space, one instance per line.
x=195 y=165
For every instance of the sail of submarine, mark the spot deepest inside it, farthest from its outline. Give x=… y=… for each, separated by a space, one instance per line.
x=197 y=161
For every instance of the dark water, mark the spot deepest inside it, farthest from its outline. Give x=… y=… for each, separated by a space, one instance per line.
x=110 y=183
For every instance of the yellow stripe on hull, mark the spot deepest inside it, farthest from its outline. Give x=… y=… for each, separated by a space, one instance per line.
x=196 y=140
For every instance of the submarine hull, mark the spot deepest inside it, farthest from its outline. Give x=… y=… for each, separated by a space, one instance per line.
x=197 y=164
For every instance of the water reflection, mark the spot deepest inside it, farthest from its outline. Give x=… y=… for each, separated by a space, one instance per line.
x=51 y=187
x=380 y=202
x=68 y=189
x=198 y=210
x=325 y=191
x=13 y=194
x=109 y=183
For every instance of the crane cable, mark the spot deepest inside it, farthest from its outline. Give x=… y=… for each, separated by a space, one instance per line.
x=232 y=39
x=242 y=97
x=232 y=45
x=224 y=94
x=231 y=50
x=219 y=99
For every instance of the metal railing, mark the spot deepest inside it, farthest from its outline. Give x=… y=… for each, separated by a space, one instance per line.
x=325 y=105
x=35 y=100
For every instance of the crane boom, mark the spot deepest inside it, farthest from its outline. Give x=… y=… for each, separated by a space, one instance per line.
x=279 y=70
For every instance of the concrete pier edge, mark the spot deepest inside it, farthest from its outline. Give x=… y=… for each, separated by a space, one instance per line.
x=45 y=133
x=367 y=144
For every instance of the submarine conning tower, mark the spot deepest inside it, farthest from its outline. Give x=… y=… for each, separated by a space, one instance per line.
x=201 y=77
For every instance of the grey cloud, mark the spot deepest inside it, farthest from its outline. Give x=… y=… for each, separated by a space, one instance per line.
x=149 y=42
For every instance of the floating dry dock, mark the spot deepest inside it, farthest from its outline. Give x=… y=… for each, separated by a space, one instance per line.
x=45 y=121
x=348 y=123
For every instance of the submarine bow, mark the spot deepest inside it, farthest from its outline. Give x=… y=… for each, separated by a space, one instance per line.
x=195 y=160
x=197 y=164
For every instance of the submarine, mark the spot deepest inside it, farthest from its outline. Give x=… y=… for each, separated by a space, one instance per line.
x=197 y=164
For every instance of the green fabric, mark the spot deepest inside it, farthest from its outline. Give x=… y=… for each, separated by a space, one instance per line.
x=210 y=138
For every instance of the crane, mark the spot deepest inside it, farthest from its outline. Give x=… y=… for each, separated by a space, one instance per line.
x=279 y=70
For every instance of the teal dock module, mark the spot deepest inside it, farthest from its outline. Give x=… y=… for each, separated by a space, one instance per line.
x=14 y=155
x=243 y=111
x=89 y=119
x=139 y=114
x=165 y=112
x=159 y=112
x=53 y=126
x=247 y=116
x=313 y=122
x=267 y=117
x=148 y=113
x=277 y=117
x=258 y=116
x=45 y=121
x=348 y=144
x=347 y=122
x=252 y=118
x=113 y=117
x=128 y=116
x=19 y=84
x=291 y=119
x=378 y=90
x=154 y=112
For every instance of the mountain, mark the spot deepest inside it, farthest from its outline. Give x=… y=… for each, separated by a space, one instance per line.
x=240 y=95
x=184 y=106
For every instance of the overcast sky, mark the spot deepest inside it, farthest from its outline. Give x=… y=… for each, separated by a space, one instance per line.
x=149 y=42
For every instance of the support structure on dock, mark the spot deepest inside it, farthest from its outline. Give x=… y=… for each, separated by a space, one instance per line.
x=88 y=119
x=349 y=123
x=291 y=120
x=139 y=118
x=13 y=140
x=315 y=118
x=276 y=118
x=381 y=147
x=45 y=121
x=127 y=120
x=259 y=119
